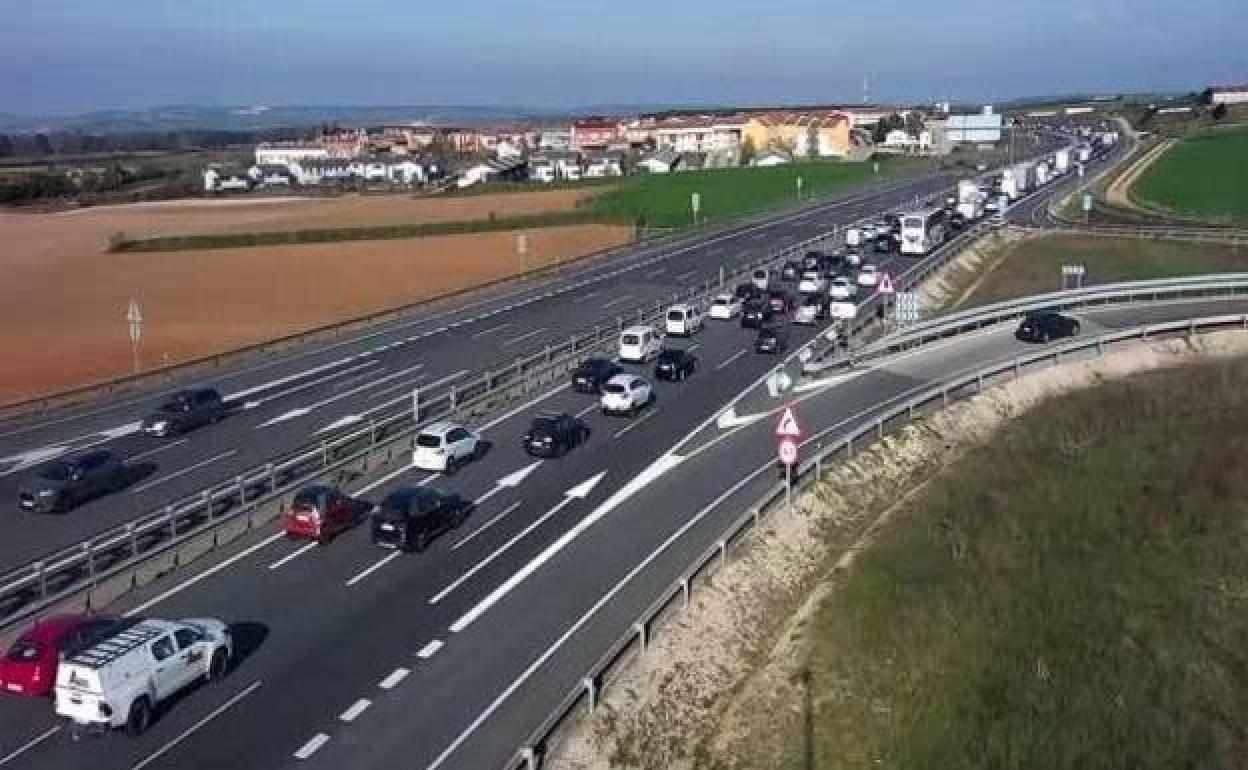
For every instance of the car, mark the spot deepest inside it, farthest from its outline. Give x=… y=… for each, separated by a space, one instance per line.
x=853 y=259
x=626 y=394
x=829 y=264
x=592 y=373
x=842 y=288
x=683 y=320
x=746 y=291
x=866 y=233
x=409 y=518
x=29 y=666
x=771 y=339
x=125 y=678
x=675 y=364
x=779 y=301
x=639 y=344
x=868 y=275
x=761 y=278
x=810 y=261
x=981 y=167
x=1046 y=326
x=726 y=307
x=885 y=243
x=813 y=309
x=957 y=220
x=62 y=484
x=812 y=282
x=842 y=310
x=790 y=270
x=321 y=512
x=184 y=410
x=552 y=434
x=445 y=447
x=755 y=314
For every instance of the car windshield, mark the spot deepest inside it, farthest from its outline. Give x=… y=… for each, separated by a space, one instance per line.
x=56 y=472
x=24 y=651
x=675 y=315
x=810 y=302
x=912 y=222
x=631 y=339
x=428 y=441
x=670 y=356
x=613 y=388
x=723 y=301
x=543 y=425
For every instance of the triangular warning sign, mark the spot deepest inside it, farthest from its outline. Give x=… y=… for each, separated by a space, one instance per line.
x=788 y=427
x=886 y=284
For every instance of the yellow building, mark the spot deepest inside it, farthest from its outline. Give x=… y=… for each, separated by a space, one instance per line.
x=823 y=133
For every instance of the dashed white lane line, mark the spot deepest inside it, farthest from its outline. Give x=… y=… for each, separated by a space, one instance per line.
x=218 y=711
x=490 y=330
x=151 y=452
x=312 y=746
x=183 y=472
x=656 y=273
x=25 y=747
x=357 y=708
x=497 y=517
x=731 y=359
x=380 y=563
x=292 y=556
x=408 y=385
x=587 y=296
x=694 y=347
x=684 y=275
x=393 y=679
x=587 y=410
x=429 y=650
x=525 y=336
x=620 y=433
x=617 y=301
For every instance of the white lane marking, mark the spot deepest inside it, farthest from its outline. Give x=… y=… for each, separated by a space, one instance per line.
x=587 y=296
x=300 y=411
x=218 y=711
x=25 y=747
x=490 y=330
x=183 y=472
x=343 y=422
x=694 y=347
x=523 y=337
x=151 y=452
x=313 y=745
x=531 y=402
x=392 y=681
x=33 y=457
x=729 y=361
x=292 y=556
x=409 y=385
x=587 y=410
x=381 y=563
x=406 y=396
x=429 y=650
x=617 y=301
x=497 y=517
x=684 y=275
x=656 y=273
x=314 y=383
x=145 y=606
x=620 y=433
x=357 y=708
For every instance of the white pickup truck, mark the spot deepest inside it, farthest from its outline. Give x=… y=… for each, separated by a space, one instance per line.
x=121 y=680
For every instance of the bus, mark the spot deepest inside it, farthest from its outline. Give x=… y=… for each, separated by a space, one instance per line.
x=923 y=231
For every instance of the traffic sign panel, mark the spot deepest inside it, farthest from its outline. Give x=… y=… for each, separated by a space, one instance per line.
x=787 y=450
x=788 y=427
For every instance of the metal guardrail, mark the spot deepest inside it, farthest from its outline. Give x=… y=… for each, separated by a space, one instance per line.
x=898 y=412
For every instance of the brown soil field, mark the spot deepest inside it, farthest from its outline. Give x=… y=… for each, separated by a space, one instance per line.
x=63 y=298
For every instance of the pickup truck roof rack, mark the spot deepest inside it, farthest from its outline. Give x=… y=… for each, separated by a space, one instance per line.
x=108 y=650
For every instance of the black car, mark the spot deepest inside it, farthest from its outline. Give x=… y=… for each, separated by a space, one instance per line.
x=779 y=301
x=755 y=314
x=894 y=224
x=184 y=410
x=64 y=483
x=811 y=260
x=829 y=264
x=885 y=243
x=1042 y=327
x=771 y=339
x=409 y=518
x=791 y=270
x=675 y=365
x=551 y=434
x=592 y=373
x=747 y=292
x=957 y=220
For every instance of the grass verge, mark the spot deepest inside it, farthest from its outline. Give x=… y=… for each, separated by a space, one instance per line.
x=1203 y=176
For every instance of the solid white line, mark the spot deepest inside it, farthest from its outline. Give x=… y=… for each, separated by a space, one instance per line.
x=151 y=452
x=684 y=275
x=392 y=681
x=292 y=556
x=407 y=396
x=313 y=384
x=410 y=384
x=25 y=747
x=587 y=410
x=733 y=358
x=490 y=330
x=522 y=407
x=188 y=731
x=617 y=301
x=312 y=746
x=383 y=562
x=357 y=708
x=501 y=550
x=429 y=650
x=205 y=574
x=183 y=472
x=524 y=336
x=619 y=433
x=486 y=525
x=588 y=296
x=389 y=476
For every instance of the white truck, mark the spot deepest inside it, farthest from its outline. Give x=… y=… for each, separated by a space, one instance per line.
x=1041 y=173
x=1084 y=153
x=1061 y=161
x=853 y=237
x=970 y=200
x=121 y=680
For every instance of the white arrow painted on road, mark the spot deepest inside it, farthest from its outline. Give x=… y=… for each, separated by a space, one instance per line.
x=292 y=414
x=33 y=457
x=729 y=419
x=350 y=419
x=510 y=481
x=121 y=430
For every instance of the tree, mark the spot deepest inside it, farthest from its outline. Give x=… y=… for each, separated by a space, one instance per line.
x=42 y=145
x=1219 y=112
x=812 y=141
x=748 y=151
x=6 y=146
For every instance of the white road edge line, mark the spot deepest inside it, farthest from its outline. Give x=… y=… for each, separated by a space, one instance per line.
x=25 y=747
x=620 y=433
x=357 y=708
x=392 y=681
x=292 y=556
x=185 y=584
x=183 y=472
x=218 y=711
x=497 y=517
x=429 y=650
x=313 y=745
x=380 y=563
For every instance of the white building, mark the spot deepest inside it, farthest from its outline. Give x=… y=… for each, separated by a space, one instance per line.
x=698 y=134
x=395 y=169
x=490 y=170
x=507 y=149
x=1228 y=95
x=226 y=181
x=284 y=153
x=550 y=166
x=981 y=128
x=560 y=139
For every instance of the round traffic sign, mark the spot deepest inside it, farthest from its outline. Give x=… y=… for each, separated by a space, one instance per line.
x=787 y=449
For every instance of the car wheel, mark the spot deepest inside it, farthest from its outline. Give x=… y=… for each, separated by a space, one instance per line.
x=139 y=718
x=452 y=465
x=420 y=542
x=1074 y=329
x=1044 y=337
x=217 y=668
x=460 y=517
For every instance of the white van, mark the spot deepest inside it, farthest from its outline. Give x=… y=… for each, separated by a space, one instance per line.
x=683 y=320
x=639 y=344
x=760 y=278
x=853 y=237
x=121 y=680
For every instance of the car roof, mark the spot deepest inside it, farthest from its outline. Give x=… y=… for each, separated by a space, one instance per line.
x=725 y=297
x=638 y=330
x=623 y=378
x=403 y=494
x=440 y=428
x=680 y=306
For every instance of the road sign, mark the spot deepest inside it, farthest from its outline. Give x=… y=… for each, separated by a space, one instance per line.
x=886 y=284
x=906 y=307
x=1087 y=201
x=695 y=203
x=787 y=451
x=1073 y=276
x=134 y=316
x=788 y=427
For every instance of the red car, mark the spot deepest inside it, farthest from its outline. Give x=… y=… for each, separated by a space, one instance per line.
x=29 y=667
x=321 y=513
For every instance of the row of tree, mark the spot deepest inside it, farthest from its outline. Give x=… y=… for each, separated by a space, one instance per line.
x=70 y=143
x=90 y=186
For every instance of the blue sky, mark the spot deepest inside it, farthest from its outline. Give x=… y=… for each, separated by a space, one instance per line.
x=73 y=55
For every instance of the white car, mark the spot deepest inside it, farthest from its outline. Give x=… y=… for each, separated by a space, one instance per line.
x=841 y=288
x=868 y=233
x=683 y=320
x=853 y=259
x=868 y=275
x=842 y=310
x=812 y=282
x=625 y=394
x=810 y=311
x=726 y=307
x=639 y=344
x=445 y=447
x=123 y=680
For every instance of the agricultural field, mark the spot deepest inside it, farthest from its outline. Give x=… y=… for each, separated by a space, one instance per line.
x=1203 y=176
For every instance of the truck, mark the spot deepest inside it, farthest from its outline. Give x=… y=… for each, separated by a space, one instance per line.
x=853 y=237
x=1061 y=161
x=1042 y=173
x=1083 y=153
x=1010 y=185
x=970 y=200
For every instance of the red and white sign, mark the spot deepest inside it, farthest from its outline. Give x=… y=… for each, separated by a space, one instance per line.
x=787 y=450
x=788 y=427
x=886 y=284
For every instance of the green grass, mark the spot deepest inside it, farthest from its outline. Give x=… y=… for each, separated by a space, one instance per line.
x=663 y=200
x=1072 y=595
x=1034 y=266
x=1204 y=176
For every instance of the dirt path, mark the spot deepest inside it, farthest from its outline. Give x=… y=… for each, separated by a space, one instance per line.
x=1119 y=192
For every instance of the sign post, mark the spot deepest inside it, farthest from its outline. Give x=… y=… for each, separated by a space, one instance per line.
x=1087 y=206
x=906 y=308
x=789 y=434
x=695 y=203
x=134 y=317
x=799 y=187
x=1072 y=276
x=416 y=406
